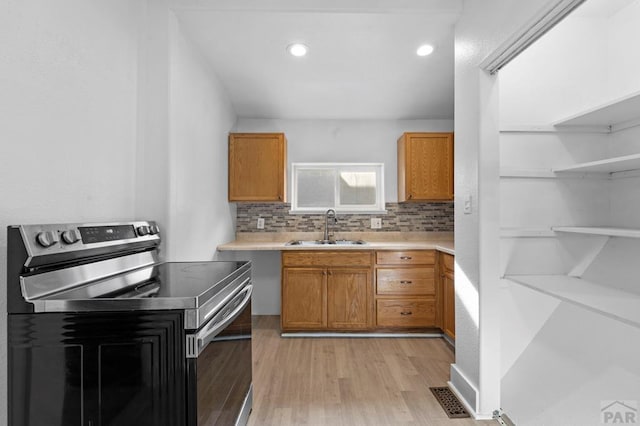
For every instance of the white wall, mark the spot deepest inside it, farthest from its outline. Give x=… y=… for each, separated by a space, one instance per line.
x=201 y=116
x=558 y=71
x=68 y=117
x=482 y=27
x=372 y=141
x=623 y=58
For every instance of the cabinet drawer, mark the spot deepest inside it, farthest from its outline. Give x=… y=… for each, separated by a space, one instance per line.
x=408 y=257
x=447 y=262
x=405 y=313
x=327 y=258
x=405 y=281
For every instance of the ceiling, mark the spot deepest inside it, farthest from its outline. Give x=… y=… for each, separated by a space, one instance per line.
x=601 y=8
x=361 y=62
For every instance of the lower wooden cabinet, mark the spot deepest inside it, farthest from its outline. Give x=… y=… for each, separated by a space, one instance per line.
x=405 y=312
x=349 y=291
x=405 y=289
x=304 y=298
x=447 y=283
x=348 y=298
x=336 y=295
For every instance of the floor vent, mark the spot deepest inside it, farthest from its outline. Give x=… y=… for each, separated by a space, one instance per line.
x=450 y=404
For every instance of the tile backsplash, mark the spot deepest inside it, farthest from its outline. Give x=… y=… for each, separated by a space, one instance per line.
x=400 y=217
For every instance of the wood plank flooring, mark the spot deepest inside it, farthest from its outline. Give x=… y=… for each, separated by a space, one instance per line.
x=347 y=381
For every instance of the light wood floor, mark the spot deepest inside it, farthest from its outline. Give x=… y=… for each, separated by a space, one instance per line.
x=347 y=381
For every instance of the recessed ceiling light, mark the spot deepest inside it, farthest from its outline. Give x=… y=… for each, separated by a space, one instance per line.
x=424 y=50
x=297 y=49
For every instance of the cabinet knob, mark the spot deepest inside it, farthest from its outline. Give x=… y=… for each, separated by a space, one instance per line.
x=406 y=282
x=406 y=313
x=410 y=196
x=324 y=272
x=329 y=272
x=405 y=257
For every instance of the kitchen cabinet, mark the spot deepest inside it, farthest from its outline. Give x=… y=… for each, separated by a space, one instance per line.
x=257 y=167
x=326 y=290
x=447 y=286
x=304 y=298
x=405 y=289
x=425 y=167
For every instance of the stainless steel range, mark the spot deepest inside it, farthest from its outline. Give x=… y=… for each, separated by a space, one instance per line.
x=102 y=333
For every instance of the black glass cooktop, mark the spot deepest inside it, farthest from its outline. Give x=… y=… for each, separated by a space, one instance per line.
x=194 y=281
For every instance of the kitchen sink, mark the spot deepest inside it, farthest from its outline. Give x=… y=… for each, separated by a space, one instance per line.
x=326 y=243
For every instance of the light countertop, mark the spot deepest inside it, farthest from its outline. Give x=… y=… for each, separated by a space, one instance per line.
x=250 y=241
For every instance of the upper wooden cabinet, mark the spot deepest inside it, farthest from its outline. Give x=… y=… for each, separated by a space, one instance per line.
x=425 y=167
x=257 y=167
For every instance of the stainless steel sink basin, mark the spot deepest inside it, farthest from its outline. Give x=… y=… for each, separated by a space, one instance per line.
x=326 y=243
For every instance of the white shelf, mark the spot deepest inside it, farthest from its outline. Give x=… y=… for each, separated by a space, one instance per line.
x=610 y=165
x=608 y=301
x=598 y=230
x=526 y=233
x=612 y=113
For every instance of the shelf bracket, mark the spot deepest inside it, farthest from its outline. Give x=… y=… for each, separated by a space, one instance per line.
x=586 y=261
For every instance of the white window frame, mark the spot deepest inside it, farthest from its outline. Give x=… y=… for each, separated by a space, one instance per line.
x=377 y=208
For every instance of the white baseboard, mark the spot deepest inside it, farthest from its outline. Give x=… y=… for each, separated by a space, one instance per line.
x=466 y=392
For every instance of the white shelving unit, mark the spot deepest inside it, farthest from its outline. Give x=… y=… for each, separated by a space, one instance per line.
x=595 y=230
x=616 y=115
x=605 y=300
x=526 y=233
x=570 y=229
x=609 y=165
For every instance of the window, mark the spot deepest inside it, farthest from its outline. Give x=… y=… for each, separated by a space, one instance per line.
x=344 y=187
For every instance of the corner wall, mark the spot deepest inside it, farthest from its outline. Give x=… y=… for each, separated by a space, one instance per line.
x=68 y=118
x=480 y=30
x=201 y=117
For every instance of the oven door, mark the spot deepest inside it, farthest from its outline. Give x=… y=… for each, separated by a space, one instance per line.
x=219 y=388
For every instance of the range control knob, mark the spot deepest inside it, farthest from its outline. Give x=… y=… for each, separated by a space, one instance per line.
x=47 y=238
x=143 y=230
x=71 y=236
x=154 y=229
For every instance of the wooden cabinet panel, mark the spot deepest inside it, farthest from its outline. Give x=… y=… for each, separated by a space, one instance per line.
x=405 y=313
x=407 y=257
x=446 y=301
x=425 y=167
x=327 y=258
x=447 y=262
x=405 y=281
x=348 y=298
x=449 y=318
x=257 y=167
x=304 y=298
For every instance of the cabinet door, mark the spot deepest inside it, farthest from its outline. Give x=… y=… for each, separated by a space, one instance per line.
x=348 y=298
x=449 y=317
x=427 y=166
x=304 y=298
x=257 y=167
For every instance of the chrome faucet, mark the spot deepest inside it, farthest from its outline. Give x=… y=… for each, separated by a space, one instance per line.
x=331 y=213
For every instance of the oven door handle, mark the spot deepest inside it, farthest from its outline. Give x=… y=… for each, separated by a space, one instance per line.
x=227 y=314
